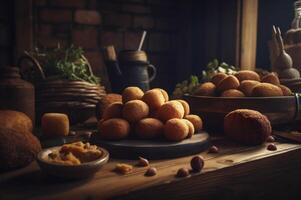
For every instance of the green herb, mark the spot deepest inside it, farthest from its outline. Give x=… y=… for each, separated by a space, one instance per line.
x=66 y=63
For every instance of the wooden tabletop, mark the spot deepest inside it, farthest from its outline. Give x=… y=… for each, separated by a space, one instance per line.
x=235 y=171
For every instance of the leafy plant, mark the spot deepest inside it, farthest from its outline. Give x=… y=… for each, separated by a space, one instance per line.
x=66 y=63
x=186 y=86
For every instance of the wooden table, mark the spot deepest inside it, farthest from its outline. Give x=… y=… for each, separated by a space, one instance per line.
x=236 y=172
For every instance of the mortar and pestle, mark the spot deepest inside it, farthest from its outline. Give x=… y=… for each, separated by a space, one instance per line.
x=129 y=68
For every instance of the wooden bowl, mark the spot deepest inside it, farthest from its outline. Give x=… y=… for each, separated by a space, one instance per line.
x=279 y=110
x=84 y=170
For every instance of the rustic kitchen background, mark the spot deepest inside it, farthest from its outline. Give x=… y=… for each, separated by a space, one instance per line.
x=182 y=35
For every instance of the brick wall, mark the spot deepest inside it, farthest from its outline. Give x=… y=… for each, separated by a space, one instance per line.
x=93 y=24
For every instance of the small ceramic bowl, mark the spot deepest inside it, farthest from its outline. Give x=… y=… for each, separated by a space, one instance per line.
x=83 y=170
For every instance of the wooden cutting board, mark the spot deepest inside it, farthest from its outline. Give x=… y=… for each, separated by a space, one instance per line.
x=155 y=149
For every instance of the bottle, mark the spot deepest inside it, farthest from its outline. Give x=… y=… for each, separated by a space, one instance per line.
x=15 y=93
x=296 y=23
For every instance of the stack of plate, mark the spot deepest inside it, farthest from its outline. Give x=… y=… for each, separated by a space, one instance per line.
x=293 y=84
x=77 y=99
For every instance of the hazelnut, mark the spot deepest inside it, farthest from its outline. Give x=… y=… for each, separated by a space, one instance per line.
x=143 y=162
x=183 y=172
x=152 y=171
x=197 y=163
x=270 y=139
x=213 y=149
x=272 y=147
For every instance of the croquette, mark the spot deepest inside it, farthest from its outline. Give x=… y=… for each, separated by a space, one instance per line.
x=185 y=106
x=105 y=101
x=165 y=94
x=191 y=128
x=17 y=148
x=232 y=93
x=131 y=93
x=154 y=98
x=15 y=120
x=271 y=78
x=285 y=90
x=247 y=75
x=55 y=124
x=266 y=90
x=171 y=109
x=114 y=129
x=149 y=128
x=247 y=126
x=114 y=110
x=135 y=110
x=247 y=86
x=196 y=121
x=206 y=89
x=230 y=82
x=217 y=78
x=176 y=130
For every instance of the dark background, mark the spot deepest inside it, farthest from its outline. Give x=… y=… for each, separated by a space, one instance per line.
x=183 y=36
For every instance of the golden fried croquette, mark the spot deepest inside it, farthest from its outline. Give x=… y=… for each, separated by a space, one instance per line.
x=171 y=109
x=114 y=110
x=232 y=93
x=176 y=130
x=247 y=126
x=206 y=89
x=131 y=93
x=15 y=120
x=135 y=110
x=271 y=78
x=185 y=106
x=247 y=86
x=114 y=129
x=191 y=128
x=247 y=75
x=266 y=90
x=285 y=90
x=230 y=82
x=105 y=101
x=55 y=124
x=154 y=98
x=149 y=128
x=196 y=121
x=217 y=78
x=17 y=148
x=165 y=94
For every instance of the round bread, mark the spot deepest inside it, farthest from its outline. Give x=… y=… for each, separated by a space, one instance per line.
x=232 y=93
x=206 y=89
x=247 y=86
x=247 y=75
x=271 y=78
x=17 y=148
x=176 y=130
x=105 y=101
x=285 y=90
x=247 y=126
x=114 y=110
x=131 y=93
x=165 y=94
x=290 y=73
x=266 y=90
x=135 y=110
x=149 y=128
x=171 y=109
x=15 y=120
x=154 y=98
x=196 y=121
x=185 y=106
x=231 y=82
x=114 y=129
x=217 y=78
x=191 y=128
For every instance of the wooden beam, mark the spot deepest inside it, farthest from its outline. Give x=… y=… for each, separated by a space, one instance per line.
x=249 y=15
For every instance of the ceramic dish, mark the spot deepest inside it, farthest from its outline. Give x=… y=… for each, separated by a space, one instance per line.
x=84 y=170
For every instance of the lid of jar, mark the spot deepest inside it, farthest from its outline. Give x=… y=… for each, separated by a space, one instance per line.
x=132 y=56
